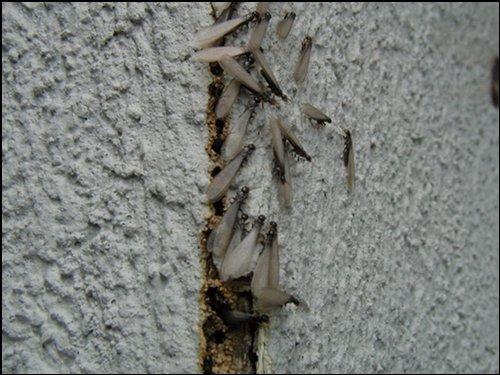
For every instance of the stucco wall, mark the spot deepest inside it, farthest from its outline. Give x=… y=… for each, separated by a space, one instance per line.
x=104 y=174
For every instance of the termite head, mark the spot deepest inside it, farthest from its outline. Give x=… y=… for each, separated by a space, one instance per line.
x=244 y=217
x=248 y=62
x=250 y=148
x=273 y=230
x=245 y=190
x=267 y=16
x=260 y=219
x=291 y=15
x=254 y=17
x=307 y=42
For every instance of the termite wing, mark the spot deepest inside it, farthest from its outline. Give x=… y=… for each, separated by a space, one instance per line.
x=234 y=140
x=348 y=157
x=267 y=73
x=300 y=71
x=315 y=114
x=227 y=99
x=259 y=32
x=214 y=54
x=209 y=35
x=266 y=272
x=285 y=25
x=220 y=237
x=293 y=140
x=231 y=67
x=240 y=260
x=238 y=233
x=222 y=181
x=271 y=299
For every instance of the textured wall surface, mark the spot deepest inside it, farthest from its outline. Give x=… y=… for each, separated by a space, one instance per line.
x=104 y=173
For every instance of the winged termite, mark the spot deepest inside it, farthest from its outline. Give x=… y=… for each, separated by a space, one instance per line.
x=234 y=140
x=315 y=114
x=206 y=37
x=220 y=237
x=227 y=99
x=232 y=318
x=277 y=143
x=258 y=33
x=300 y=71
x=267 y=73
x=270 y=299
x=235 y=70
x=239 y=262
x=285 y=25
x=495 y=83
x=215 y=53
x=349 y=159
x=266 y=272
x=238 y=232
x=222 y=181
x=285 y=185
x=293 y=140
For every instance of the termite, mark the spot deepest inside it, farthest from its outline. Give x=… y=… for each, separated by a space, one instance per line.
x=233 y=319
x=267 y=73
x=281 y=169
x=234 y=140
x=209 y=35
x=285 y=185
x=315 y=114
x=285 y=25
x=258 y=33
x=219 y=239
x=234 y=69
x=293 y=140
x=495 y=83
x=227 y=99
x=266 y=272
x=222 y=181
x=348 y=157
x=300 y=72
x=277 y=143
x=239 y=261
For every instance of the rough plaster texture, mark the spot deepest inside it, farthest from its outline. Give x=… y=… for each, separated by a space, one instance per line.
x=104 y=171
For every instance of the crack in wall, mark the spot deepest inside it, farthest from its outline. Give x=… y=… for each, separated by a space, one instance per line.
x=224 y=349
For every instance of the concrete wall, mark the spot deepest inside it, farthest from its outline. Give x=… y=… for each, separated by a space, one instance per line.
x=104 y=173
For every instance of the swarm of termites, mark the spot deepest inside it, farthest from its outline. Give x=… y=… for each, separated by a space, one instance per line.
x=244 y=251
